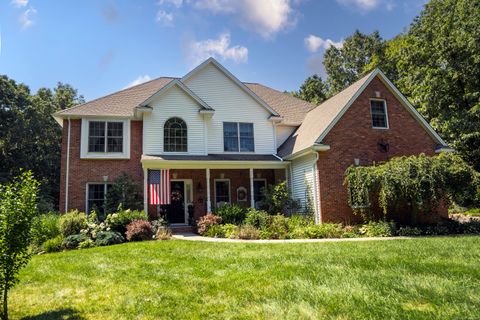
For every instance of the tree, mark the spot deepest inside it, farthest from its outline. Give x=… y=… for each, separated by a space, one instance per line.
x=29 y=136
x=313 y=90
x=346 y=64
x=125 y=193
x=17 y=210
x=439 y=70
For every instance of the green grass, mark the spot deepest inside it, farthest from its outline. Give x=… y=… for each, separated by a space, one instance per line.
x=472 y=212
x=423 y=278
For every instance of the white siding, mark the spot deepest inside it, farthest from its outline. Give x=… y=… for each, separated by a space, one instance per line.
x=174 y=103
x=303 y=178
x=283 y=132
x=231 y=104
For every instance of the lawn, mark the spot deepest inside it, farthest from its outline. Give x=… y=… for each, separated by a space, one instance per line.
x=424 y=278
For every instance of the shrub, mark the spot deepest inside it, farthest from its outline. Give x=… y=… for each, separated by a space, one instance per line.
x=257 y=218
x=216 y=231
x=299 y=221
x=378 y=229
x=206 y=222
x=54 y=244
x=72 y=223
x=351 y=232
x=124 y=193
x=409 y=231
x=471 y=227
x=107 y=238
x=472 y=212
x=44 y=227
x=89 y=243
x=248 y=232
x=74 y=240
x=231 y=213
x=278 y=228
x=163 y=233
x=277 y=199
x=119 y=221
x=139 y=230
x=159 y=224
x=324 y=230
x=230 y=231
x=436 y=230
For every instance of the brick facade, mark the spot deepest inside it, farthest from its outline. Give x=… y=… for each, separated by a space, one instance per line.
x=353 y=137
x=83 y=171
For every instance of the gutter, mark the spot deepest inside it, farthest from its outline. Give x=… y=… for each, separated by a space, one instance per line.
x=67 y=169
x=314 y=148
x=444 y=149
x=273 y=154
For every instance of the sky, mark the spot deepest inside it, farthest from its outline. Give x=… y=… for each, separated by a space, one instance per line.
x=102 y=46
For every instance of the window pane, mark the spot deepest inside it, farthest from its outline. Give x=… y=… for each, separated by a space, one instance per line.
x=222 y=191
x=175 y=136
x=96 y=197
x=230 y=136
x=114 y=144
x=96 y=136
x=115 y=129
x=379 y=115
x=246 y=137
x=258 y=186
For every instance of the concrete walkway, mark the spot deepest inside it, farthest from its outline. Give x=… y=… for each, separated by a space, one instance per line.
x=196 y=237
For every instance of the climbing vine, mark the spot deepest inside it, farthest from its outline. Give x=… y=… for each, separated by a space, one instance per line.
x=418 y=182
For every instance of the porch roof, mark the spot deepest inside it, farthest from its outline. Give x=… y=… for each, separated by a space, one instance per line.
x=234 y=161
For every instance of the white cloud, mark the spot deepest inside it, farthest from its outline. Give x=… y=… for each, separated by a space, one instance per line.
x=175 y=3
x=164 y=18
x=220 y=48
x=266 y=17
x=139 y=80
x=19 y=3
x=26 y=18
x=314 y=43
x=363 y=5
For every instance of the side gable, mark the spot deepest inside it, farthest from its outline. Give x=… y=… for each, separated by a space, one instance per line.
x=320 y=121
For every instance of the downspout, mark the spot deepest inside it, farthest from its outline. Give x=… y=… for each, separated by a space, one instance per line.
x=315 y=191
x=67 y=169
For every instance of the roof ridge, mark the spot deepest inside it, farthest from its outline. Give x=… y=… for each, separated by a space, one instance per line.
x=116 y=92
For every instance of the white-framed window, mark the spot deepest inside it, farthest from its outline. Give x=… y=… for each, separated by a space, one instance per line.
x=378 y=108
x=105 y=139
x=105 y=136
x=175 y=135
x=97 y=196
x=238 y=137
x=222 y=192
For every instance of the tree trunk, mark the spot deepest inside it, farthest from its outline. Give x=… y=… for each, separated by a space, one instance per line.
x=5 y=305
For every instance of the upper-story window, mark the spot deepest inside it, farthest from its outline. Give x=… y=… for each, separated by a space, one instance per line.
x=379 y=114
x=175 y=135
x=105 y=136
x=238 y=137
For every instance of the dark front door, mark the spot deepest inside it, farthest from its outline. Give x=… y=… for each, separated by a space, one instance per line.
x=176 y=209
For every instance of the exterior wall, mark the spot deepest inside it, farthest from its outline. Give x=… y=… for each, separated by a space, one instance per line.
x=303 y=178
x=174 y=103
x=283 y=132
x=231 y=104
x=83 y=171
x=353 y=137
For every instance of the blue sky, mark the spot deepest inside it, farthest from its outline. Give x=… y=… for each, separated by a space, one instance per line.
x=101 y=46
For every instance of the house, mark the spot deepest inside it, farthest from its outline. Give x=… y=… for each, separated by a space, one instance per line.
x=208 y=139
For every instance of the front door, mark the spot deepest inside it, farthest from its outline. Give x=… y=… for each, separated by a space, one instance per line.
x=176 y=209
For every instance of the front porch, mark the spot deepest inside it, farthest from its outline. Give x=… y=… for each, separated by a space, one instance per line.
x=197 y=187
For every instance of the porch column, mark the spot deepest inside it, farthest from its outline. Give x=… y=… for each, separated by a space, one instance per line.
x=145 y=190
x=252 y=197
x=209 y=203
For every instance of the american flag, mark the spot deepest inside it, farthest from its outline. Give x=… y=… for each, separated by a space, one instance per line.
x=159 y=186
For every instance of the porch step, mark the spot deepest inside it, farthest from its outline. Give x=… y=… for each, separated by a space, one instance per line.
x=183 y=229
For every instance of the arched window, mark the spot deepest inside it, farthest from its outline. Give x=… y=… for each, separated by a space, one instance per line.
x=175 y=135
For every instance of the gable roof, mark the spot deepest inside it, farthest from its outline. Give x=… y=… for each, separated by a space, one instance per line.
x=184 y=88
x=319 y=121
x=124 y=102
x=229 y=75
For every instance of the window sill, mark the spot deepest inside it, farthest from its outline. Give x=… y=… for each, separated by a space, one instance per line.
x=105 y=155
x=380 y=128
